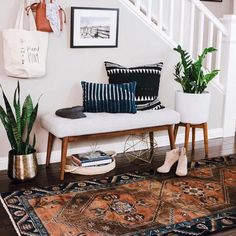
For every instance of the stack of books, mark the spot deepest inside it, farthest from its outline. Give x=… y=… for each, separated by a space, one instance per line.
x=90 y=159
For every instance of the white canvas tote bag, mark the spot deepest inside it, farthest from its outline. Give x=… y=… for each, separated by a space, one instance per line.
x=25 y=51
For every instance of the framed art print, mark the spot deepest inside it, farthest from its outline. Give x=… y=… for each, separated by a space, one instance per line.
x=94 y=27
x=212 y=0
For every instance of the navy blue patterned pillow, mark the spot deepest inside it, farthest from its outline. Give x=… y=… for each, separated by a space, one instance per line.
x=112 y=98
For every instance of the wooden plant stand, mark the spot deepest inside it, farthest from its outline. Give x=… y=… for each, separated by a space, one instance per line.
x=188 y=126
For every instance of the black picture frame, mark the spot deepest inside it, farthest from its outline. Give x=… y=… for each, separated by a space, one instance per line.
x=212 y=0
x=94 y=27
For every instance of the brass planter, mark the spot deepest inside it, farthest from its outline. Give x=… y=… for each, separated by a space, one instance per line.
x=22 y=167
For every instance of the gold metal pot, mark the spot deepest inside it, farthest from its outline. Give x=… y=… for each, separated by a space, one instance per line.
x=22 y=167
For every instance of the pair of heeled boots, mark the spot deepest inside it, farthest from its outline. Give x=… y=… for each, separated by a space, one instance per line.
x=172 y=157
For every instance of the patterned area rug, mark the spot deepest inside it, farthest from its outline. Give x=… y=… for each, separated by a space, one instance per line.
x=132 y=204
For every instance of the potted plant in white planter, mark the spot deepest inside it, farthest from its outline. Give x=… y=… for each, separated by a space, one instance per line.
x=193 y=103
x=18 y=123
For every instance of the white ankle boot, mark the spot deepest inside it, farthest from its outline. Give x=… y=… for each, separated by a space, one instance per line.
x=171 y=157
x=182 y=167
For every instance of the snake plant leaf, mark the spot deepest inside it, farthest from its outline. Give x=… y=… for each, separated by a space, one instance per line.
x=11 y=117
x=7 y=126
x=18 y=125
x=16 y=104
x=32 y=118
x=26 y=113
x=30 y=123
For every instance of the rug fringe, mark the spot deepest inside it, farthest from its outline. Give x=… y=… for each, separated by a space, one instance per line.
x=9 y=215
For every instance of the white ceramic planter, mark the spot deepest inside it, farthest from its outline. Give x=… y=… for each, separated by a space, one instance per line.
x=193 y=108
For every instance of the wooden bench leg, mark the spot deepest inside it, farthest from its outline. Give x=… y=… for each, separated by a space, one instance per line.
x=187 y=130
x=193 y=137
x=176 y=131
x=51 y=139
x=205 y=132
x=151 y=138
x=64 y=147
x=171 y=136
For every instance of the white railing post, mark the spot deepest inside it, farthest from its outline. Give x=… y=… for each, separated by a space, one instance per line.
x=192 y=23
x=200 y=32
x=149 y=10
x=210 y=43
x=171 y=18
x=160 y=15
x=228 y=72
x=218 y=55
x=182 y=12
x=138 y=4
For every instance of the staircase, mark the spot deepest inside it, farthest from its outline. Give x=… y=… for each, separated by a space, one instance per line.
x=185 y=22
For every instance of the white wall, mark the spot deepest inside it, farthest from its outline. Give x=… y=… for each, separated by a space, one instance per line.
x=67 y=67
x=220 y=8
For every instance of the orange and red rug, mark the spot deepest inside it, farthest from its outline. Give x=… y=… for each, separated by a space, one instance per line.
x=131 y=204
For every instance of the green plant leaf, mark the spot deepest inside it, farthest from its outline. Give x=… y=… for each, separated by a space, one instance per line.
x=186 y=63
x=30 y=123
x=8 y=128
x=193 y=78
x=19 y=125
x=16 y=104
x=27 y=110
x=11 y=118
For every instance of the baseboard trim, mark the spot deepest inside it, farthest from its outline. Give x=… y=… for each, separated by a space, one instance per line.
x=118 y=146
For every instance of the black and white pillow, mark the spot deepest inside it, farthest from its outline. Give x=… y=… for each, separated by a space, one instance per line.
x=112 y=98
x=147 y=78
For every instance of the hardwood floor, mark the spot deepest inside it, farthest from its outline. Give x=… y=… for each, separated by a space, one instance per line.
x=50 y=176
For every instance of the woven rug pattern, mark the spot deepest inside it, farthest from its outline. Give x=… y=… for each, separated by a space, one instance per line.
x=131 y=204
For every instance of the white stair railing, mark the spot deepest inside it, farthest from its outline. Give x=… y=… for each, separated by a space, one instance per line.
x=185 y=22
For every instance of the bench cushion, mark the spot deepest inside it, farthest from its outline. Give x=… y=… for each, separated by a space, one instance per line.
x=108 y=122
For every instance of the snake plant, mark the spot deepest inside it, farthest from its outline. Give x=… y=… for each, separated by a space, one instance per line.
x=18 y=122
x=190 y=74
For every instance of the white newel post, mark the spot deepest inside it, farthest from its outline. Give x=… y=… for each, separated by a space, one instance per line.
x=228 y=75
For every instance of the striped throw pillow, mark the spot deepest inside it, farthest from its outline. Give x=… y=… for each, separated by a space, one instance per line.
x=147 y=78
x=112 y=98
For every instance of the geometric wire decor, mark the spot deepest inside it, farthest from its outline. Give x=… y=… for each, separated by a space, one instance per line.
x=140 y=147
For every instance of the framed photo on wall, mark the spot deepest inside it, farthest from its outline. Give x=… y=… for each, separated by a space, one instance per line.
x=94 y=27
x=211 y=0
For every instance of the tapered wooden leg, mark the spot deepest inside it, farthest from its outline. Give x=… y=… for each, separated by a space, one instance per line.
x=187 y=130
x=171 y=136
x=51 y=139
x=64 y=147
x=176 y=131
x=193 y=137
x=151 y=138
x=205 y=132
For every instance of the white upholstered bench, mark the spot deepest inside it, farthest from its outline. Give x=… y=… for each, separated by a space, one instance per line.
x=106 y=125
